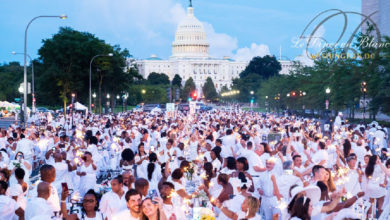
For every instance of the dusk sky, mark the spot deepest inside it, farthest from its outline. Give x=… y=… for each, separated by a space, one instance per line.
x=237 y=28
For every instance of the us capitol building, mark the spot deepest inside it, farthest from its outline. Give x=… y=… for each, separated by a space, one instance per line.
x=190 y=58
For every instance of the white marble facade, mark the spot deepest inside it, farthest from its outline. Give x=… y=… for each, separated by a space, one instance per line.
x=190 y=58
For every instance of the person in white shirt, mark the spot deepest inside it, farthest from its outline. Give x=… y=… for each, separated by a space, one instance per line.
x=249 y=209
x=286 y=180
x=170 y=210
x=321 y=156
x=26 y=146
x=8 y=206
x=114 y=201
x=48 y=175
x=19 y=190
x=268 y=189
x=151 y=171
x=133 y=202
x=39 y=205
x=228 y=142
x=90 y=207
x=352 y=183
x=62 y=172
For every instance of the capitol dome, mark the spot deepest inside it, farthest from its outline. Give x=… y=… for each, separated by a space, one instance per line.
x=190 y=38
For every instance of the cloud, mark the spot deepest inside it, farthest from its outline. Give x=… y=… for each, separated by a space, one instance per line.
x=220 y=44
x=304 y=59
x=246 y=54
x=152 y=24
x=144 y=27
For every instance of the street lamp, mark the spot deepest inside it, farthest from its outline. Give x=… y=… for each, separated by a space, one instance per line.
x=73 y=96
x=327 y=91
x=252 y=92
x=33 y=79
x=94 y=103
x=143 y=91
x=364 y=91
x=108 y=96
x=25 y=53
x=21 y=91
x=90 y=75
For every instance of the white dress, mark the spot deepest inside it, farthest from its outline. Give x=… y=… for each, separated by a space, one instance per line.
x=88 y=181
x=371 y=185
x=156 y=175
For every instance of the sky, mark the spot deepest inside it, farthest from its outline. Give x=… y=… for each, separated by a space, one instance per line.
x=240 y=29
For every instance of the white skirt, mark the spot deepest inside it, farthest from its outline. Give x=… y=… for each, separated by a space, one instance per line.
x=375 y=191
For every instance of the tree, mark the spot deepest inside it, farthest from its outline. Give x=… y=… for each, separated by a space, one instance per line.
x=209 y=89
x=177 y=81
x=64 y=67
x=11 y=75
x=258 y=69
x=189 y=87
x=158 y=79
x=265 y=67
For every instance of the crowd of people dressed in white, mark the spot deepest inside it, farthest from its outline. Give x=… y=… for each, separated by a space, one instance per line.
x=207 y=165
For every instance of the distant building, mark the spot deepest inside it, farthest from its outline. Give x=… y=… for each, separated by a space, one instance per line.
x=190 y=58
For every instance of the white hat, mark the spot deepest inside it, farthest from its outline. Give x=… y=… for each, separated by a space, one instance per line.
x=313 y=192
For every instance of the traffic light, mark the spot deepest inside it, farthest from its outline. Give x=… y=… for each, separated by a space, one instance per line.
x=92 y=105
x=194 y=95
x=364 y=87
x=252 y=100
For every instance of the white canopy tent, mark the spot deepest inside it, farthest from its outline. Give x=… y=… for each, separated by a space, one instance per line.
x=80 y=107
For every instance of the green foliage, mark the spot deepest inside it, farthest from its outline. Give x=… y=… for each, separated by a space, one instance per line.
x=158 y=79
x=177 y=81
x=342 y=76
x=153 y=94
x=11 y=75
x=209 y=90
x=64 y=62
x=259 y=69
x=189 y=87
x=265 y=67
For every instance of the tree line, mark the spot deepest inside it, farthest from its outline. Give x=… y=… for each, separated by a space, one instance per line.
x=63 y=66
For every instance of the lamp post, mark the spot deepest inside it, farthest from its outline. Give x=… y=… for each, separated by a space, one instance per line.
x=73 y=96
x=116 y=101
x=90 y=76
x=32 y=80
x=25 y=55
x=364 y=91
x=266 y=104
x=108 y=102
x=327 y=91
x=94 y=99
x=303 y=102
x=252 y=100
x=21 y=114
x=124 y=99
